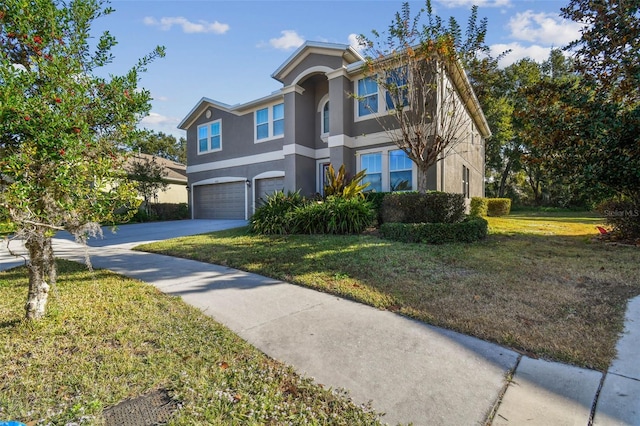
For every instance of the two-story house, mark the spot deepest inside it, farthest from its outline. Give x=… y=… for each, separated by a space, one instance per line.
x=238 y=154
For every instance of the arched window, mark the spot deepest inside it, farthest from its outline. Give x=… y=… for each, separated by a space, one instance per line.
x=325 y=118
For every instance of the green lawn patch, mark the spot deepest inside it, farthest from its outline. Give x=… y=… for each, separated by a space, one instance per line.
x=538 y=283
x=107 y=338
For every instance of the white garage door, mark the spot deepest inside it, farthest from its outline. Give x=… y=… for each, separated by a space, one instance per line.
x=264 y=187
x=219 y=201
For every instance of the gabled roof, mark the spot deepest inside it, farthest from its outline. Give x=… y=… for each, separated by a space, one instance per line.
x=349 y=54
x=176 y=172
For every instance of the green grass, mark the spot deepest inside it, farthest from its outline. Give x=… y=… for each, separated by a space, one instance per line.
x=538 y=283
x=107 y=338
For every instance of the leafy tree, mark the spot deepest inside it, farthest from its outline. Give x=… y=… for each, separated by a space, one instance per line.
x=161 y=145
x=609 y=50
x=148 y=178
x=589 y=128
x=61 y=127
x=427 y=117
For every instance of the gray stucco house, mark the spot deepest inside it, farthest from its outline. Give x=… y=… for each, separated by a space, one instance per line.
x=285 y=141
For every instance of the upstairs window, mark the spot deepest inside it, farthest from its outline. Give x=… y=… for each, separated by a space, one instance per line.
x=210 y=137
x=269 y=122
x=325 y=118
x=278 y=120
x=367 y=96
x=262 y=123
x=397 y=88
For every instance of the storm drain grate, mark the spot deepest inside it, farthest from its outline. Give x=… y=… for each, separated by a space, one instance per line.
x=147 y=410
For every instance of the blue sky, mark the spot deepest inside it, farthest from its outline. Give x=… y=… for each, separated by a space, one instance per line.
x=227 y=50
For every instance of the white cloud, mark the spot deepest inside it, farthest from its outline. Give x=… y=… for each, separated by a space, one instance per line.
x=353 y=42
x=188 y=27
x=289 y=40
x=155 y=118
x=545 y=28
x=518 y=51
x=161 y=123
x=479 y=3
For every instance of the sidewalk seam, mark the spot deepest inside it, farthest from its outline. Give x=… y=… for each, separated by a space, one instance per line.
x=596 y=397
x=509 y=375
x=283 y=316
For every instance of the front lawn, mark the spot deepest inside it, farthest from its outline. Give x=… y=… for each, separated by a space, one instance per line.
x=107 y=338
x=538 y=283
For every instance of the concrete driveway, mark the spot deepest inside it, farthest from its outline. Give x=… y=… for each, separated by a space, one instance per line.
x=131 y=235
x=128 y=236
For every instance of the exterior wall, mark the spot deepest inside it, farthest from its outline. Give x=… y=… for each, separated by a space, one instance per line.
x=175 y=193
x=299 y=154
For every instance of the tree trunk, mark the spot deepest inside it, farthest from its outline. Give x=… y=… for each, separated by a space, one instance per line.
x=38 y=288
x=422 y=179
x=503 y=179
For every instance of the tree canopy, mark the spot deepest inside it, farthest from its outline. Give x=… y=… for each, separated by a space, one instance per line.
x=61 y=127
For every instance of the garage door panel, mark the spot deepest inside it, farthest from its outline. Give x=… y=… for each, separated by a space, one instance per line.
x=264 y=187
x=219 y=201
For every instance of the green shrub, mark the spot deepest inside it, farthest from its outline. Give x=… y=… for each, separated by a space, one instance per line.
x=413 y=207
x=623 y=215
x=471 y=229
x=376 y=198
x=340 y=185
x=274 y=216
x=498 y=206
x=335 y=215
x=479 y=206
x=170 y=211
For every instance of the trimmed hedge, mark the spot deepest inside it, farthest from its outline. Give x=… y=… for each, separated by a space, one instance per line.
x=499 y=206
x=470 y=230
x=479 y=206
x=414 y=207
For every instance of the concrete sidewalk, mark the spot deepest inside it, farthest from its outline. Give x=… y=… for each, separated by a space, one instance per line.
x=410 y=371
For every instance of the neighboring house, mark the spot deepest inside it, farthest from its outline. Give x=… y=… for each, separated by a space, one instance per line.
x=175 y=177
x=236 y=155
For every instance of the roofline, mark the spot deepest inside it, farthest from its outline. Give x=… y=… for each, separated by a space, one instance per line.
x=338 y=47
x=237 y=109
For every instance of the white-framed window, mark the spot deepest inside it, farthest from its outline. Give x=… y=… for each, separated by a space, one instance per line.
x=269 y=122
x=367 y=96
x=369 y=93
x=400 y=171
x=372 y=163
x=387 y=169
x=210 y=137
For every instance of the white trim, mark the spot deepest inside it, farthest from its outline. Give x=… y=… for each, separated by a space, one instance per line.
x=293 y=88
x=340 y=72
x=305 y=151
x=218 y=180
x=268 y=175
x=313 y=70
x=378 y=138
x=239 y=161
